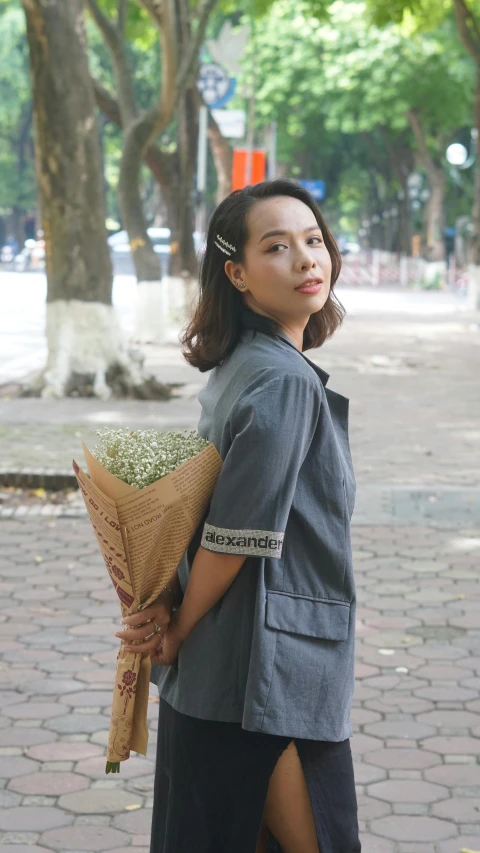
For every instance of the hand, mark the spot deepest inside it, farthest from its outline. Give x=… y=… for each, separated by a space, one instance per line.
x=168 y=646
x=140 y=634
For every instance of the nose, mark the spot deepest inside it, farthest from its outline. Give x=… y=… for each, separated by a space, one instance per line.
x=305 y=261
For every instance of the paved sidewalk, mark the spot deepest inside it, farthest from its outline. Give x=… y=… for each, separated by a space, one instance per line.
x=417 y=700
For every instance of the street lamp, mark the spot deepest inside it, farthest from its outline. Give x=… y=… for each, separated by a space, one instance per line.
x=457 y=154
x=459 y=159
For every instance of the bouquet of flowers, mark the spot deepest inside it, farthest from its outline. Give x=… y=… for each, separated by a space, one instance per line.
x=146 y=495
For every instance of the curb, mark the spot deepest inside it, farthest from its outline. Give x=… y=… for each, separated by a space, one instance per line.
x=37 y=478
x=47 y=512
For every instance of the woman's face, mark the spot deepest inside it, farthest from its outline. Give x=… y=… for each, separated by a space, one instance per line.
x=287 y=269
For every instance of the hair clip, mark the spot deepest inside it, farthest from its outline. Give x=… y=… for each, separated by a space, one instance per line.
x=225 y=247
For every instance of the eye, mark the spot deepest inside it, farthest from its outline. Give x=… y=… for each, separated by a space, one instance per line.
x=273 y=249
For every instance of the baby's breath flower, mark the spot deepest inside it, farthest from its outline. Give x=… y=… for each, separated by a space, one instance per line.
x=140 y=457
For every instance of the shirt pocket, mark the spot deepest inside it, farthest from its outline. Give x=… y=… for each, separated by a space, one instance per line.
x=324 y=618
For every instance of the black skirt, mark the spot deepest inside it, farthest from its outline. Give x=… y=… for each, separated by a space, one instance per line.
x=211 y=782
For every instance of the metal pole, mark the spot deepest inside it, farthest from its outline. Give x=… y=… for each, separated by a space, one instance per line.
x=251 y=103
x=272 y=152
x=202 y=166
x=250 y=140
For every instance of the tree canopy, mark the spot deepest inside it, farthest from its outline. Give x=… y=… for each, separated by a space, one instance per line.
x=361 y=90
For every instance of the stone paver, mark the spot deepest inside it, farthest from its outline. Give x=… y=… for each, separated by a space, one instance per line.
x=48 y=784
x=98 y=801
x=85 y=838
x=33 y=818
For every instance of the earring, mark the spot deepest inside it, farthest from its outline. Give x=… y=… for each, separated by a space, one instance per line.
x=242 y=286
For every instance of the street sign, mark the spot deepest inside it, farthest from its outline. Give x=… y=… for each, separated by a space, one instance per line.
x=316 y=188
x=231 y=123
x=215 y=85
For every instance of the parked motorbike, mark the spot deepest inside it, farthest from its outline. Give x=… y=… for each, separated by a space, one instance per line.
x=32 y=256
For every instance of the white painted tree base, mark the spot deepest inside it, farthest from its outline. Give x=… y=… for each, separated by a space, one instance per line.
x=152 y=312
x=435 y=272
x=162 y=307
x=473 y=291
x=85 y=338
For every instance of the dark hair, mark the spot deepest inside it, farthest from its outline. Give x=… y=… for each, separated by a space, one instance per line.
x=216 y=327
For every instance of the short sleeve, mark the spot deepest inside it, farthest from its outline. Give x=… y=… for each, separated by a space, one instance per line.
x=272 y=429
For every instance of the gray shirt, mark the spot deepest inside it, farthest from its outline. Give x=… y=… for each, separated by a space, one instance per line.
x=276 y=653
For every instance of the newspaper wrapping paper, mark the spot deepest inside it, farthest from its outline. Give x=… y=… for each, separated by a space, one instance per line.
x=142 y=535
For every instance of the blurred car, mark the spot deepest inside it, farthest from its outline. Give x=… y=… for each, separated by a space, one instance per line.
x=161 y=241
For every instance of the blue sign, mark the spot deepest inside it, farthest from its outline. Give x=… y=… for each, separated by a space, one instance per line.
x=215 y=85
x=316 y=188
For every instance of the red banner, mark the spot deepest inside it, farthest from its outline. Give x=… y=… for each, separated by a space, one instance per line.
x=239 y=168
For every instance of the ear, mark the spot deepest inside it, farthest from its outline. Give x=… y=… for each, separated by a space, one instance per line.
x=235 y=273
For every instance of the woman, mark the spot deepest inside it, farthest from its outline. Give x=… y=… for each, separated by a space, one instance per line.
x=256 y=664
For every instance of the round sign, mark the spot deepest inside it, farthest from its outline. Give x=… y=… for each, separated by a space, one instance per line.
x=213 y=83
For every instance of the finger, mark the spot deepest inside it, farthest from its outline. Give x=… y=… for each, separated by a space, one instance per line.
x=159 y=658
x=139 y=618
x=156 y=655
x=139 y=634
x=139 y=648
x=157 y=612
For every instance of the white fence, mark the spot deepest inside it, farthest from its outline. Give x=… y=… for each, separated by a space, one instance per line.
x=375 y=268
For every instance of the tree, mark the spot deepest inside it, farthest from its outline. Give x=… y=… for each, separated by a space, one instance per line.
x=422 y=15
x=389 y=90
x=181 y=32
x=84 y=339
x=398 y=80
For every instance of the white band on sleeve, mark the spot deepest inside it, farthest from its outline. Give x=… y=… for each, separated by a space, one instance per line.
x=255 y=543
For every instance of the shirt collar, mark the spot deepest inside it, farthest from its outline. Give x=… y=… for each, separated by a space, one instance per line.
x=251 y=320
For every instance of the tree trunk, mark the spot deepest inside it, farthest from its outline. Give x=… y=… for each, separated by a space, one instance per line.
x=401 y=163
x=163 y=166
x=68 y=157
x=84 y=339
x=404 y=245
x=222 y=157
x=170 y=19
x=166 y=169
x=184 y=260
x=145 y=261
x=15 y=224
x=475 y=242
x=434 y=220
x=468 y=29
x=434 y=249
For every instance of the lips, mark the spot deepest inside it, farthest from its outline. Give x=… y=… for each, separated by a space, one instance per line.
x=311 y=285
x=309 y=282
